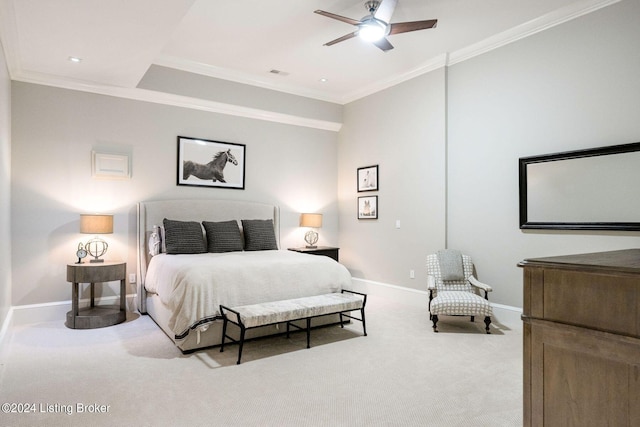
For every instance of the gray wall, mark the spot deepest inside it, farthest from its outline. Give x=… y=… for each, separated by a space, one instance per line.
x=447 y=144
x=402 y=130
x=5 y=186
x=570 y=87
x=54 y=131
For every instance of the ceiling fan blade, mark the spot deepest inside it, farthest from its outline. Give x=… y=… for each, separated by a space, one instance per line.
x=341 y=39
x=383 y=44
x=385 y=10
x=338 y=17
x=405 y=27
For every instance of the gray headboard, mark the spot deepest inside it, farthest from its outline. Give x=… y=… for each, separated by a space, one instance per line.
x=152 y=213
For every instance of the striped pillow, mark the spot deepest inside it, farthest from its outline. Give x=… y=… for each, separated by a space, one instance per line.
x=223 y=236
x=259 y=235
x=183 y=237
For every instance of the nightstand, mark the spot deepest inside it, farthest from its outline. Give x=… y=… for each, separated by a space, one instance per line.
x=329 y=251
x=96 y=316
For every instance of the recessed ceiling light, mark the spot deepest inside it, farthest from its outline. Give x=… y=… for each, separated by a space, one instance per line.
x=75 y=59
x=324 y=80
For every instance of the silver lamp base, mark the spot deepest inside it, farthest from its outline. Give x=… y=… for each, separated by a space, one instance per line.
x=96 y=247
x=311 y=237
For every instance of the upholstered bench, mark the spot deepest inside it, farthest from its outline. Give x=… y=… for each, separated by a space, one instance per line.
x=269 y=313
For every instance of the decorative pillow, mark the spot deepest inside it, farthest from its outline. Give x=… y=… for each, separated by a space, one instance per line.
x=154 y=241
x=183 y=237
x=223 y=236
x=259 y=235
x=451 y=265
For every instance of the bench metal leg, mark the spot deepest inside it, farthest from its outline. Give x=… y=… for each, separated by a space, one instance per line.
x=364 y=324
x=242 y=330
x=225 y=321
x=308 y=332
x=224 y=332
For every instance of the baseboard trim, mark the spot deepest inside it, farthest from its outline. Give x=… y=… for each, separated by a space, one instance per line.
x=501 y=312
x=4 y=334
x=52 y=311
x=21 y=315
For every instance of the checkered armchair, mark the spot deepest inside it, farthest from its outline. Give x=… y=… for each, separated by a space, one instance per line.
x=453 y=288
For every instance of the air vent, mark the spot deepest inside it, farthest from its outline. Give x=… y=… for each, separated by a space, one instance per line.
x=279 y=72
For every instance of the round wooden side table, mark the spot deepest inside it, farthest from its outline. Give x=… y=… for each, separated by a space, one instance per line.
x=96 y=316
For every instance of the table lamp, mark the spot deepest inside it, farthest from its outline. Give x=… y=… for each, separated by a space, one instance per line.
x=311 y=220
x=96 y=224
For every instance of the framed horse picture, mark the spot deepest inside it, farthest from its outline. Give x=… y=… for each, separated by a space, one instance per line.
x=368 y=178
x=368 y=207
x=205 y=163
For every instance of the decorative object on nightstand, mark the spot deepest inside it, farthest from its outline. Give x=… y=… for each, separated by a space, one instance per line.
x=329 y=251
x=311 y=220
x=96 y=316
x=81 y=253
x=96 y=224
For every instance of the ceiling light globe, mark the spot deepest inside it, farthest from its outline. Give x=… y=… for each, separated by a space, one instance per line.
x=372 y=31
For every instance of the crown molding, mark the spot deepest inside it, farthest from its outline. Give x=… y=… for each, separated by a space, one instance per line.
x=434 y=64
x=529 y=28
x=178 y=101
x=9 y=40
x=240 y=77
x=253 y=80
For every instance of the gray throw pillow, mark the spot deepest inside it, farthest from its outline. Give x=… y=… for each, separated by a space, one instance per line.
x=223 y=236
x=183 y=237
x=259 y=235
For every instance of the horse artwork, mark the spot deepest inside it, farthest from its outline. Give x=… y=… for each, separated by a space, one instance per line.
x=368 y=178
x=211 y=171
x=202 y=163
x=368 y=207
x=366 y=211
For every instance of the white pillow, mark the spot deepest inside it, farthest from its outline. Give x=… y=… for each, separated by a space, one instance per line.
x=155 y=242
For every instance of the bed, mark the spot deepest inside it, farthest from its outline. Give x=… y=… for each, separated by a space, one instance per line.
x=182 y=291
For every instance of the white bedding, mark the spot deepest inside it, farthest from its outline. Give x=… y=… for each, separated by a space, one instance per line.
x=194 y=286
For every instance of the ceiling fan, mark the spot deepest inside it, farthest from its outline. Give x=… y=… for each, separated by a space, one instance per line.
x=375 y=26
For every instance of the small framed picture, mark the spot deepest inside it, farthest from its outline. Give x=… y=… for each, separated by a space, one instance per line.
x=368 y=178
x=368 y=207
x=110 y=165
x=204 y=163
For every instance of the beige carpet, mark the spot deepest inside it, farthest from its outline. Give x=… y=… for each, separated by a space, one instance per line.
x=402 y=374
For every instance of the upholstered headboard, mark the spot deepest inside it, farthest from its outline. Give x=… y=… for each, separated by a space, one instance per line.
x=152 y=213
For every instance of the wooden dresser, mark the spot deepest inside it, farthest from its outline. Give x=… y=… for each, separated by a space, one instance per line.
x=581 y=319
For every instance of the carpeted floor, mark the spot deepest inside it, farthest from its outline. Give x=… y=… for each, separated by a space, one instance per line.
x=402 y=374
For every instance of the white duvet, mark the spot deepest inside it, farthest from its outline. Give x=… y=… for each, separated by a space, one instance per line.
x=194 y=286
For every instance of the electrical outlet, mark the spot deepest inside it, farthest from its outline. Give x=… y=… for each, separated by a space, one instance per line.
x=132 y=278
x=412 y=274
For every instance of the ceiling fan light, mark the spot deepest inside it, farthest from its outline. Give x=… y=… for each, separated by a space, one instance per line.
x=372 y=31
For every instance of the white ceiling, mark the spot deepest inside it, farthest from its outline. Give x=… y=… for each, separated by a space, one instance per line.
x=242 y=40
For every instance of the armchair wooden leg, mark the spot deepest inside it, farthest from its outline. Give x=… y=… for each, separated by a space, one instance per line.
x=487 y=321
x=434 y=318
